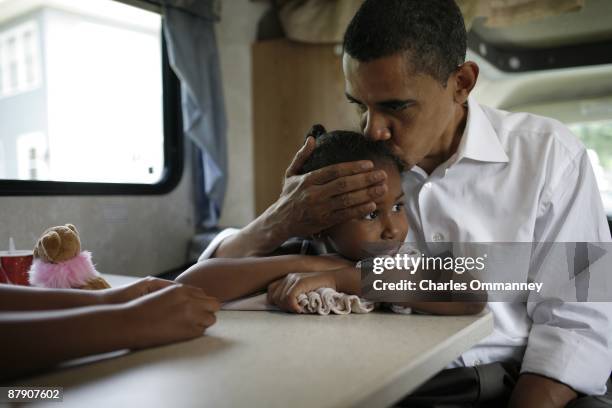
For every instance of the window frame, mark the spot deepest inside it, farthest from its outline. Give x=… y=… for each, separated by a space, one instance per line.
x=173 y=155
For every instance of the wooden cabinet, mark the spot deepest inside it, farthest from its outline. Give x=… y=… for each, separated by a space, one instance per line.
x=294 y=86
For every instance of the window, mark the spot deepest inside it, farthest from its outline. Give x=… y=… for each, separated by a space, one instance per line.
x=597 y=137
x=30 y=63
x=87 y=100
x=591 y=121
x=31 y=157
x=2 y=69
x=11 y=46
x=20 y=66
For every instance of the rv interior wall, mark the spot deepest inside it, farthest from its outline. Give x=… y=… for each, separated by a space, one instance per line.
x=129 y=235
x=236 y=32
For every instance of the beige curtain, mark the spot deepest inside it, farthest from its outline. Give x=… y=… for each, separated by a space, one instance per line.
x=504 y=13
x=324 y=21
x=317 y=21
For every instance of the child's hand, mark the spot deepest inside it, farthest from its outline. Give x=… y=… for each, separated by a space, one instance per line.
x=132 y=291
x=175 y=313
x=284 y=292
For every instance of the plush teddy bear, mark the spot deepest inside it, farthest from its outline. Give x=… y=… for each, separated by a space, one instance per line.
x=60 y=263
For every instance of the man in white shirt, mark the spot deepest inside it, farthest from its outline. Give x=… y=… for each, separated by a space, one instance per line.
x=476 y=175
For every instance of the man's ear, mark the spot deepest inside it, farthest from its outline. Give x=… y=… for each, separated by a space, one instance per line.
x=465 y=78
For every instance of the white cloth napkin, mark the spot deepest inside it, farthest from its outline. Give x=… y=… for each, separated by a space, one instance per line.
x=323 y=301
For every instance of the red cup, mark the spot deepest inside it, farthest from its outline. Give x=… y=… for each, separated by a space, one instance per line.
x=14 y=267
x=3 y=277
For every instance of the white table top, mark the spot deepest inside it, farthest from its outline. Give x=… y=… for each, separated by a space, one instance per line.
x=273 y=359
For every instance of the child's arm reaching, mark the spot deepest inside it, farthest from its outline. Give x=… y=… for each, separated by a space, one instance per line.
x=437 y=302
x=284 y=292
x=28 y=298
x=232 y=278
x=441 y=302
x=76 y=325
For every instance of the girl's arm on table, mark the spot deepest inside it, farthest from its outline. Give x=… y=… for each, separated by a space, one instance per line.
x=24 y=298
x=34 y=340
x=42 y=339
x=349 y=279
x=227 y=278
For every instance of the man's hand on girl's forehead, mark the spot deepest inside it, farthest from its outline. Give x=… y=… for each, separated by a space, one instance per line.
x=312 y=202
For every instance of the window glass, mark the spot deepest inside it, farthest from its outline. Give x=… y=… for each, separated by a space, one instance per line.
x=591 y=121
x=80 y=92
x=597 y=137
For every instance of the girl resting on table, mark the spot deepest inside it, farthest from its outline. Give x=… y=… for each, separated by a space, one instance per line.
x=286 y=276
x=42 y=327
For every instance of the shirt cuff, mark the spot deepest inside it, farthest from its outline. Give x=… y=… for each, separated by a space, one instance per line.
x=214 y=244
x=579 y=360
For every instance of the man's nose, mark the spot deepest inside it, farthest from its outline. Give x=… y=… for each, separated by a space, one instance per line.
x=375 y=127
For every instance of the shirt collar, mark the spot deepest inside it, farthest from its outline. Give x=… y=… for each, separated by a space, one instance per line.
x=479 y=140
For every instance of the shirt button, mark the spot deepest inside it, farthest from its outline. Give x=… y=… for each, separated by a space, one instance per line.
x=437 y=237
x=428 y=184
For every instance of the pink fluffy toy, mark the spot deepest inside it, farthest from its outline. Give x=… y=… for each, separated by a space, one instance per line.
x=60 y=263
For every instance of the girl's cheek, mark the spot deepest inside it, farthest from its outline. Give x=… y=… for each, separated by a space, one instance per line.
x=369 y=231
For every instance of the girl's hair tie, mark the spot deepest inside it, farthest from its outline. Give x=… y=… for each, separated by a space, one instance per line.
x=316 y=131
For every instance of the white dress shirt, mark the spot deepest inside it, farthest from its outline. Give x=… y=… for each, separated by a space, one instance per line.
x=518 y=177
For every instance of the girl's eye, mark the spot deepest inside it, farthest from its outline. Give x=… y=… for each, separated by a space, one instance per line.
x=398 y=207
x=371 y=215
